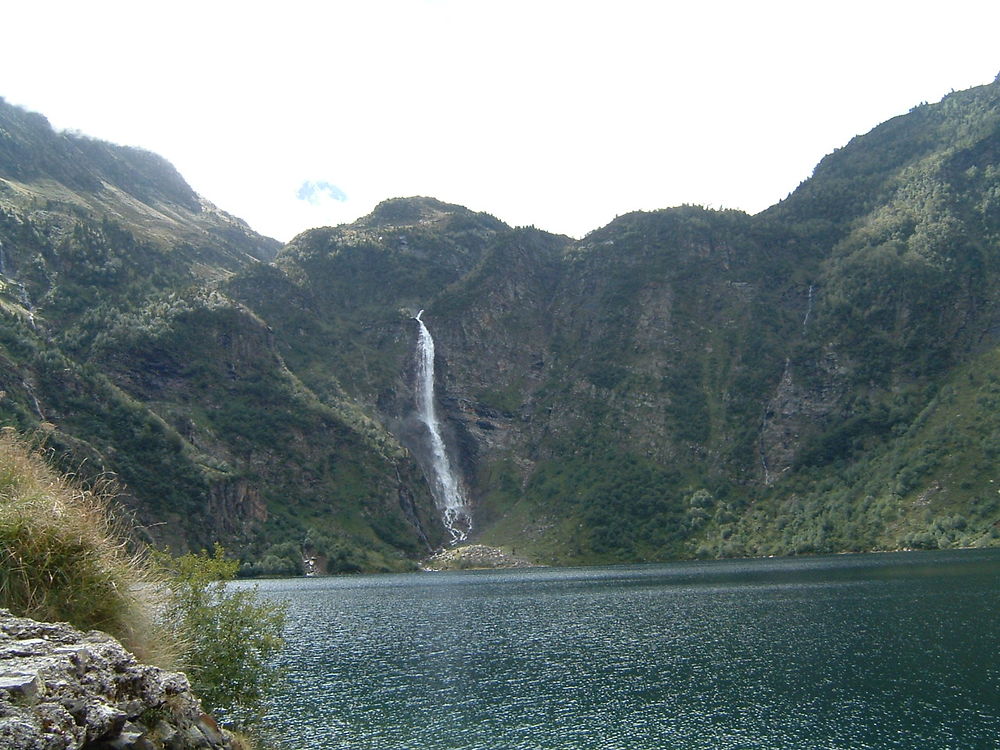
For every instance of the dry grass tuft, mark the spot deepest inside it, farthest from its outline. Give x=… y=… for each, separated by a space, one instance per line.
x=64 y=557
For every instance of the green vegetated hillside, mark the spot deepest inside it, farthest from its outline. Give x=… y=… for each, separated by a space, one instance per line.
x=119 y=344
x=819 y=377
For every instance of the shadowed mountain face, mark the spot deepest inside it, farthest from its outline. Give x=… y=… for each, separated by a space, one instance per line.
x=819 y=377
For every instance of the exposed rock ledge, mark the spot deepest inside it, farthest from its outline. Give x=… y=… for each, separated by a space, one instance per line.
x=60 y=689
x=473 y=556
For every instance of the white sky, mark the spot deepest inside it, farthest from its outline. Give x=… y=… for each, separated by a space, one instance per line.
x=559 y=113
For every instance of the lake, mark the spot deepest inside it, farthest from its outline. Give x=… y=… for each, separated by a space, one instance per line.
x=898 y=650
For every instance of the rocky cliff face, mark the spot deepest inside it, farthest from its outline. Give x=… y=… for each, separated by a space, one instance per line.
x=61 y=689
x=679 y=382
x=594 y=388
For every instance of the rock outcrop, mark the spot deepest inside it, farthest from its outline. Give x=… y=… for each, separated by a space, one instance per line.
x=61 y=689
x=472 y=557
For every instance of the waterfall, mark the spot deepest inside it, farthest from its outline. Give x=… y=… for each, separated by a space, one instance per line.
x=763 y=463
x=26 y=302
x=447 y=489
x=784 y=384
x=31 y=392
x=809 y=308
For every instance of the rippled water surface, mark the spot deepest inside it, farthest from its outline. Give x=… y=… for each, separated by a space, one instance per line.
x=862 y=651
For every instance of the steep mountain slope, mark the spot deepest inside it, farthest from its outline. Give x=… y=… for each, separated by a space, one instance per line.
x=81 y=177
x=592 y=387
x=116 y=341
x=689 y=381
x=816 y=378
x=904 y=225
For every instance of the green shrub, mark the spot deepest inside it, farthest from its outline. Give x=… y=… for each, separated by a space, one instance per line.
x=63 y=557
x=229 y=636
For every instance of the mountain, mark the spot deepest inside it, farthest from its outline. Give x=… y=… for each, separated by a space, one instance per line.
x=118 y=345
x=819 y=377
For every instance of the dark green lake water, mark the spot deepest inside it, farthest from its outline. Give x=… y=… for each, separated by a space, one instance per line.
x=894 y=650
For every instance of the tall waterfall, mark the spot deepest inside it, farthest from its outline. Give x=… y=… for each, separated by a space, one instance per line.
x=447 y=488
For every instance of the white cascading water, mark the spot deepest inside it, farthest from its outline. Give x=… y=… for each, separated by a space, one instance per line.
x=26 y=302
x=447 y=489
x=809 y=308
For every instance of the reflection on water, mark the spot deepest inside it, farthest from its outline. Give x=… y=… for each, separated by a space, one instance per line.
x=860 y=651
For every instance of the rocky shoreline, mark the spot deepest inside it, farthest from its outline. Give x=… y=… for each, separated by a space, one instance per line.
x=474 y=557
x=63 y=689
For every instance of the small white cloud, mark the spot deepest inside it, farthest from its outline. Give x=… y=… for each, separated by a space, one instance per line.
x=319 y=192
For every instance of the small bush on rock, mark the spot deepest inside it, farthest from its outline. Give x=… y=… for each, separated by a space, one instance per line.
x=63 y=557
x=229 y=636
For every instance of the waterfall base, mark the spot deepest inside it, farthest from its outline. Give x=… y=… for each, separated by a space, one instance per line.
x=474 y=557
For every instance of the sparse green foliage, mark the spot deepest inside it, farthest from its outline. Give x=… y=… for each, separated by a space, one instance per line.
x=230 y=636
x=64 y=558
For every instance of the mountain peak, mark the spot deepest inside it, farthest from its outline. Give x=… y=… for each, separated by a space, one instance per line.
x=420 y=210
x=31 y=150
x=87 y=176
x=410 y=211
